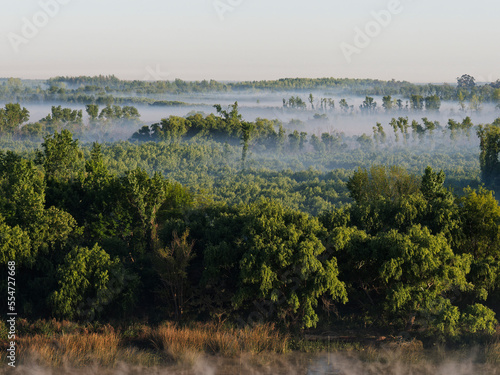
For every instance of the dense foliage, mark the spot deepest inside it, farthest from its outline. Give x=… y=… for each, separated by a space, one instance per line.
x=214 y=217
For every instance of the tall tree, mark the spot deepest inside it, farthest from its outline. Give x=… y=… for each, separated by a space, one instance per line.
x=246 y=134
x=60 y=157
x=387 y=103
x=12 y=116
x=369 y=105
x=417 y=102
x=432 y=103
x=171 y=264
x=92 y=111
x=466 y=82
x=146 y=195
x=489 y=136
x=311 y=101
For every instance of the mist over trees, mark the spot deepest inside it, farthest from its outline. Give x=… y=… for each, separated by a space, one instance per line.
x=109 y=90
x=211 y=217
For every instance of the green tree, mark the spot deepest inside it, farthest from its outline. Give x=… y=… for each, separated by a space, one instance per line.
x=344 y=106
x=83 y=281
x=15 y=245
x=395 y=127
x=272 y=257
x=496 y=97
x=489 y=136
x=461 y=101
x=387 y=103
x=391 y=183
x=480 y=236
x=365 y=142
x=369 y=105
x=311 y=101
x=398 y=278
x=475 y=103
x=22 y=204
x=12 y=116
x=466 y=82
x=317 y=144
x=419 y=270
x=246 y=133
x=146 y=195
x=130 y=113
x=379 y=134
x=303 y=140
x=92 y=111
x=60 y=157
x=430 y=126
x=171 y=129
x=62 y=116
x=418 y=130
x=294 y=141
x=432 y=103
x=171 y=264
x=417 y=102
x=440 y=213
x=399 y=103
x=403 y=125
x=478 y=318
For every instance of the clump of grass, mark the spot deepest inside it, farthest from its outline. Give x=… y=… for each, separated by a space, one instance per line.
x=407 y=352
x=492 y=354
x=74 y=349
x=411 y=351
x=179 y=343
x=370 y=354
x=135 y=331
x=138 y=357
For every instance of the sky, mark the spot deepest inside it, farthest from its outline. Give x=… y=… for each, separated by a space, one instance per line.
x=413 y=40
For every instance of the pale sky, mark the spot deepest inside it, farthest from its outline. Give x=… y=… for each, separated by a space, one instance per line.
x=421 y=41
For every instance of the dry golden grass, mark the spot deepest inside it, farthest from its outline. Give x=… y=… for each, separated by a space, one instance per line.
x=492 y=354
x=58 y=344
x=75 y=349
x=64 y=346
x=180 y=343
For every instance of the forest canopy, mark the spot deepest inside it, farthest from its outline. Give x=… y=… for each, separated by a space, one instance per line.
x=101 y=232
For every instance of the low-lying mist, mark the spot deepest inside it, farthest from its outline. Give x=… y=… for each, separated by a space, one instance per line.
x=367 y=362
x=316 y=118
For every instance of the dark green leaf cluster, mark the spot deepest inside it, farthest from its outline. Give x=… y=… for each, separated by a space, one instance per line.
x=414 y=255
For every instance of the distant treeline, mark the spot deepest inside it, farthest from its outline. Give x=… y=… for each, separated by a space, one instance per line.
x=100 y=89
x=360 y=87
x=17 y=90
